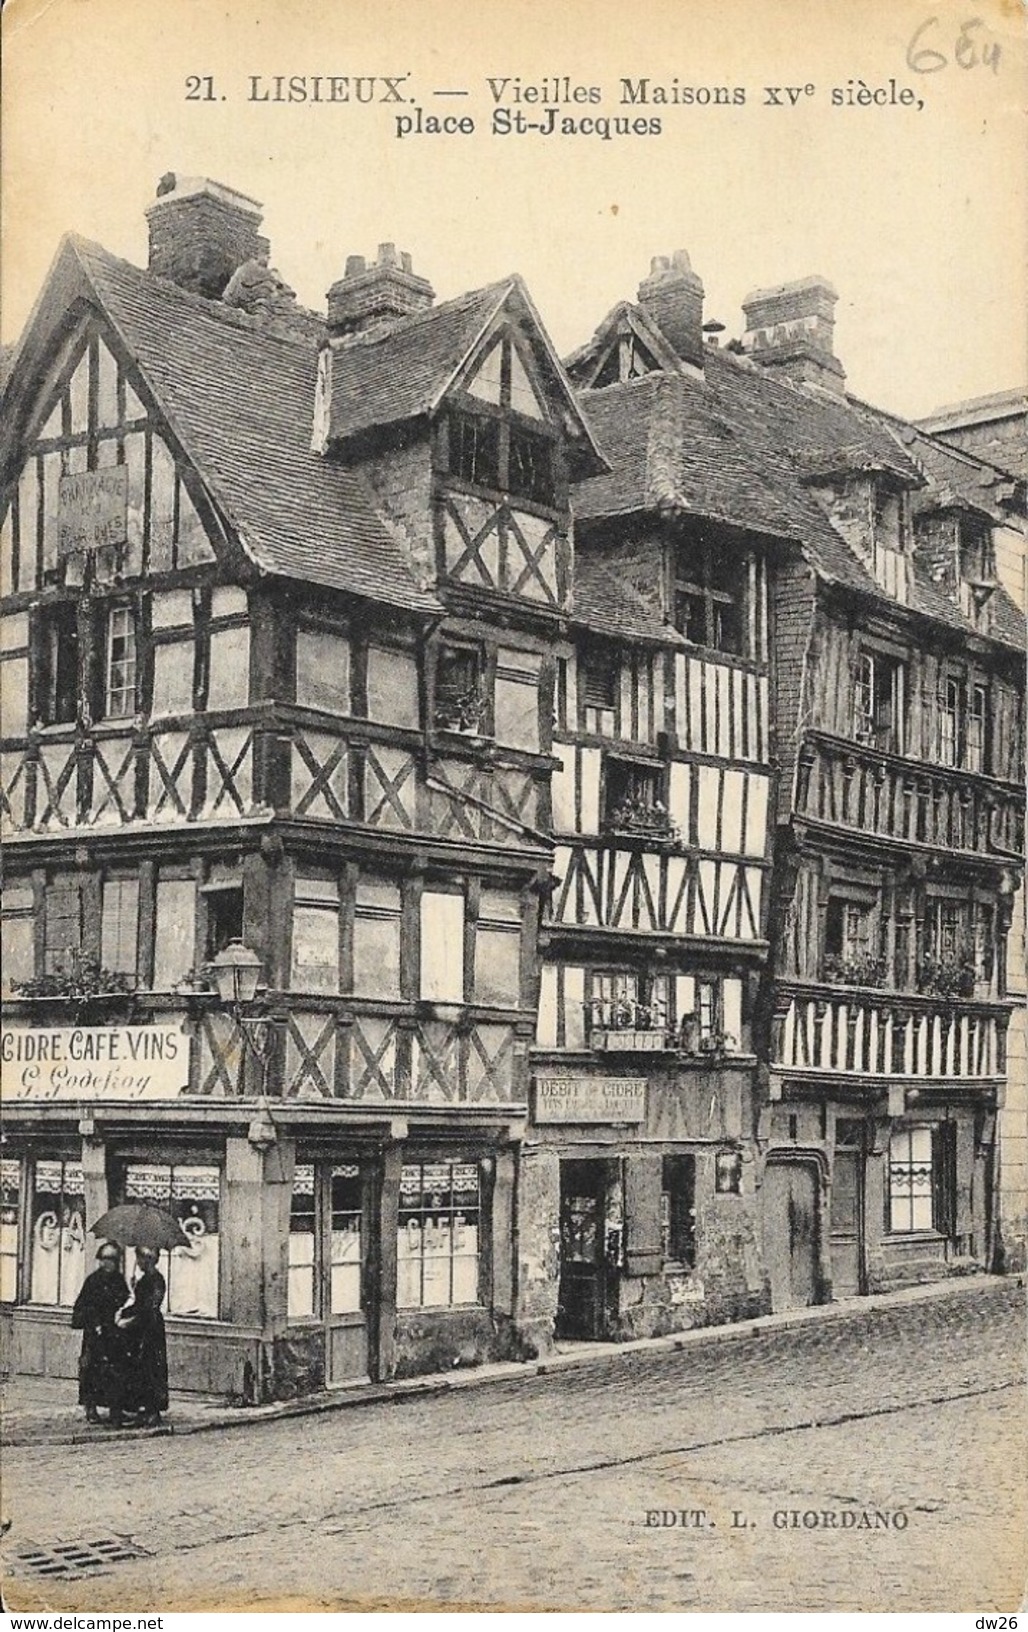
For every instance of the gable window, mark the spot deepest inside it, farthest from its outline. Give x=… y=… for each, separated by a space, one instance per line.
x=120 y=677
x=505 y=447
x=678 y=1210
x=59 y=645
x=878 y=703
x=530 y=472
x=460 y=698
x=710 y=596
x=475 y=449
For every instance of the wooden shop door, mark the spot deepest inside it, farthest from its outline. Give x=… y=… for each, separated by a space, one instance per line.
x=791 y=1227
x=847 y=1210
x=583 y=1204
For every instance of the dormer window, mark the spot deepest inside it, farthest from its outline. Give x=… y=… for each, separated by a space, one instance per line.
x=710 y=596
x=475 y=449
x=499 y=438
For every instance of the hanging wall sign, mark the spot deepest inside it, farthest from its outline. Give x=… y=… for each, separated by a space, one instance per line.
x=590 y=1099
x=92 y=510
x=93 y=1062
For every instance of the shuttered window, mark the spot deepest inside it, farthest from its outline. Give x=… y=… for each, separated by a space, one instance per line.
x=119 y=925
x=63 y=927
x=442 y=947
x=376 y=939
x=316 y=936
x=175 y=933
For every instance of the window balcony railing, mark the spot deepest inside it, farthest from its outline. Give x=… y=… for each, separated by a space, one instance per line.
x=935 y=807
x=864 y=1035
x=625 y=1026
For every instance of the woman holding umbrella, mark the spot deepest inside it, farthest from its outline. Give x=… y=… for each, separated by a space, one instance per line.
x=142 y=1323
x=139 y=1322
x=101 y=1361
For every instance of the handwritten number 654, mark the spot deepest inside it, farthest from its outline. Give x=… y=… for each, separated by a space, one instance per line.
x=925 y=59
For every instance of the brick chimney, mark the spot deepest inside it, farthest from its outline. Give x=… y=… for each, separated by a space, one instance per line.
x=201 y=232
x=789 y=330
x=383 y=292
x=672 y=298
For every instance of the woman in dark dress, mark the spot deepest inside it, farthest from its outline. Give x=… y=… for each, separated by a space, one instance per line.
x=142 y=1325
x=101 y=1360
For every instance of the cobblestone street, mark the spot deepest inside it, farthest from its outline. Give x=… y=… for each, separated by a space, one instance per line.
x=535 y=1493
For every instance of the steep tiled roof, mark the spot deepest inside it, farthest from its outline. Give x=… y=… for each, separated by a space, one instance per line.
x=741 y=448
x=605 y=603
x=240 y=401
x=391 y=374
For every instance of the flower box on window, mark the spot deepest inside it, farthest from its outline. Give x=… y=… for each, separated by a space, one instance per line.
x=638 y=819
x=862 y=969
x=950 y=976
x=629 y=1042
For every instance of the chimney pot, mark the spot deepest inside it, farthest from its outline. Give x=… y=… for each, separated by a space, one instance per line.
x=202 y=232
x=385 y=291
x=672 y=297
x=789 y=328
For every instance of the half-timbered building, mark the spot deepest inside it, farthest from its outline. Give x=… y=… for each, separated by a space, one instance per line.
x=784 y=530
x=504 y=851
x=279 y=602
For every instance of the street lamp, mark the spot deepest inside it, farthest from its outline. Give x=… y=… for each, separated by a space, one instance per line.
x=236 y=972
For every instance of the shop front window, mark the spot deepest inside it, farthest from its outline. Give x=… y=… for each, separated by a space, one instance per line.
x=191 y=1194
x=58 y=1251
x=325 y=1221
x=303 y=1216
x=438 y=1245
x=10 y=1202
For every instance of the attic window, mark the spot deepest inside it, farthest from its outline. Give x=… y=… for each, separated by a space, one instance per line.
x=498 y=438
x=475 y=450
x=710 y=597
x=627 y=359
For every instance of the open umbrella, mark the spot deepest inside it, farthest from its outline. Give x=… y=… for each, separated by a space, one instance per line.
x=136 y=1224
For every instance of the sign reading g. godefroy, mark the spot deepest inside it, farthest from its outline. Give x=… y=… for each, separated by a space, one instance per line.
x=93 y=1062
x=590 y=1099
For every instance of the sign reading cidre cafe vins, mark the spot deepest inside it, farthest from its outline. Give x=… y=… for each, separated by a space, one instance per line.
x=93 y=1062
x=590 y=1099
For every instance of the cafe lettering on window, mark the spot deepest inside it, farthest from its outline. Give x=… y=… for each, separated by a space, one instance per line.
x=93 y=1062
x=590 y=1099
x=92 y=510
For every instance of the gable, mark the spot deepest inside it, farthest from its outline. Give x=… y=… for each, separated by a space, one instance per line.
x=503 y=373
x=97 y=480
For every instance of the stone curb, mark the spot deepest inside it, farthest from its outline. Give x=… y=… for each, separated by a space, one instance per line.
x=572 y=1358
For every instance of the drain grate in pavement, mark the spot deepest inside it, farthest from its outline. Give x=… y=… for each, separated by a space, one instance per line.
x=69 y=1560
